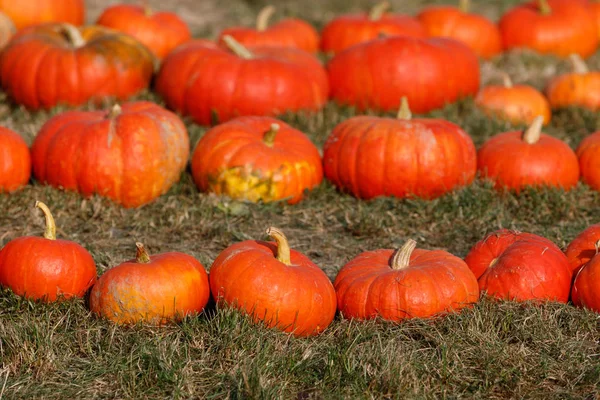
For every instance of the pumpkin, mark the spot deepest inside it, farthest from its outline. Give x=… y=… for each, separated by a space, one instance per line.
x=583 y=248
x=536 y=159
x=519 y=104
x=378 y=73
x=476 y=31
x=348 y=30
x=215 y=85
x=15 y=161
x=558 y=27
x=256 y=159
x=161 y=32
x=46 y=268
x=275 y=285
x=289 y=32
x=52 y=64
x=586 y=286
x=25 y=13
x=579 y=88
x=131 y=154
x=511 y=265
x=154 y=289
x=588 y=153
x=408 y=283
x=402 y=157
x=595 y=7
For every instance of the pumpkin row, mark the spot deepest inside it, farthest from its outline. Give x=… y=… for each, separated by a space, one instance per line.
x=285 y=289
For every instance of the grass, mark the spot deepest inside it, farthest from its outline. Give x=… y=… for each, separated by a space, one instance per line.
x=495 y=350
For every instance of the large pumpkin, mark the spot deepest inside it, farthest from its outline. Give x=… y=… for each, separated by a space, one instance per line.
x=580 y=88
x=46 y=268
x=407 y=283
x=52 y=64
x=519 y=266
x=586 y=286
x=33 y=12
x=131 y=154
x=402 y=157
x=583 y=247
x=588 y=153
x=210 y=83
x=256 y=159
x=152 y=289
x=15 y=161
x=378 y=73
x=274 y=284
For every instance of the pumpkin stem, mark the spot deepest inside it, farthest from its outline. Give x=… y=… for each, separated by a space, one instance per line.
x=283 y=247
x=544 y=7
x=115 y=111
x=597 y=246
x=142 y=255
x=464 y=5
x=262 y=20
x=401 y=259
x=147 y=9
x=239 y=49
x=378 y=10
x=50 y=232
x=506 y=80
x=533 y=133
x=579 y=66
x=269 y=136
x=72 y=34
x=404 y=112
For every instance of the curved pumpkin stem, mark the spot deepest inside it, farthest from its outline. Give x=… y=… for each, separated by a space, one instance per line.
x=579 y=66
x=262 y=20
x=378 y=10
x=533 y=133
x=506 y=81
x=115 y=111
x=401 y=259
x=269 y=136
x=404 y=112
x=50 y=232
x=597 y=246
x=238 y=49
x=544 y=7
x=142 y=255
x=72 y=34
x=464 y=5
x=283 y=247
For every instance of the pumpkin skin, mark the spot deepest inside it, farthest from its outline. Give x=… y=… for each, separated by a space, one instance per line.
x=583 y=248
x=519 y=266
x=434 y=156
x=588 y=153
x=131 y=154
x=155 y=289
x=378 y=73
x=52 y=64
x=536 y=159
x=289 y=32
x=586 y=286
x=282 y=289
x=404 y=284
x=25 y=13
x=15 y=161
x=46 y=268
x=200 y=79
x=161 y=32
x=558 y=27
x=579 y=88
x=246 y=158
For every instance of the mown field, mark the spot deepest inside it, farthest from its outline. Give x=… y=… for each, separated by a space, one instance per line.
x=496 y=350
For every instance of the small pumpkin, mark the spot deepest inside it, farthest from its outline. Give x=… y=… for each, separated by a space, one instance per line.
x=536 y=159
x=403 y=157
x=155 y=289
x=518 y=266
x=289 y=32
x=25 y=13
x=408 y=283
x=15 y=161
x=46 y=268
x=583 y=248
x=256 y=159
x=275 y=285
x=579 y=88
x=586 y=286
x=588 y=153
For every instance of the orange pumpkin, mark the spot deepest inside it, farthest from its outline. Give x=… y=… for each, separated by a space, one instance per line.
x=586 y=286
x=583 y=248
x=25 y=13
x=152 y=289
x=588 y=153
x=256 y=159
x=15 y=161
x=579 y=88
x=46 y=268
x=274 y=284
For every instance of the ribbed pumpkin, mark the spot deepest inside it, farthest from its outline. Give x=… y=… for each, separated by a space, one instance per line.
x=15 y=161
x=289 y=32
x=348 y=30
x=583 y=248
x=519 y=266
x=515 y=160
x=408 y=283
x=155 y=289
x=33 y=12
x=131 y=154
x=378 y=73
x=402 y=157
x=274 y=284
x=160 y=31
x=588 y=153
x=209 y=83
x=476 y=31
x=256 y=159
x=586 y=286
x=52 y=64
x=519 y=104
x=579 y=88
x=558 y=27
x=46 y=268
